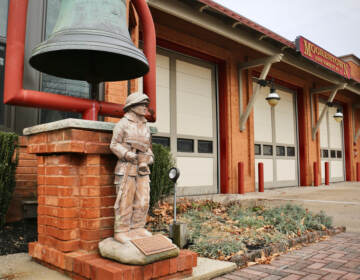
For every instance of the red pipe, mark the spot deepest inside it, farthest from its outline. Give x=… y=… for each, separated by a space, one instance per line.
x=14 y=71
x=316 y=175
x=149 y=37
x=327 y=174
x=261 y=176
x=241 y=187
x=358 y=171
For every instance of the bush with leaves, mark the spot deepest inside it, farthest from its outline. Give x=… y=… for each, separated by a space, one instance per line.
x=160 y=185
x=8 y=163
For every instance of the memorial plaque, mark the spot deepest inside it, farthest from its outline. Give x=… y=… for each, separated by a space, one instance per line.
x=153 y=245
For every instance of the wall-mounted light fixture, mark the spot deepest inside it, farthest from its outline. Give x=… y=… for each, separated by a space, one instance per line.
x=338 y=116
x=273 y=98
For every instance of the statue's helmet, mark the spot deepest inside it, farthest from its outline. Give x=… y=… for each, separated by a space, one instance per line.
x=135 y=99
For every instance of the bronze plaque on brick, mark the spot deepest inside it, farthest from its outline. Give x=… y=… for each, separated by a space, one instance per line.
x=153 y=245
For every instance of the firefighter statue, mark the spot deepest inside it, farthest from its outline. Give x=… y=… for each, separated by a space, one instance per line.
x=131 y=144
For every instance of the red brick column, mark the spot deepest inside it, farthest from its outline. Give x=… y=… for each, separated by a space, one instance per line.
x=75 y=192
x=75 y=201
x=25 y=189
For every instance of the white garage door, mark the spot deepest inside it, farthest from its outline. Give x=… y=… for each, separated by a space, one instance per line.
x=275 y=134
x=331 y=144
x=186 y=120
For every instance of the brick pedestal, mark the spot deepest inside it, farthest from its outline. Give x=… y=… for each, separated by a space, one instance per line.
x=75 y=203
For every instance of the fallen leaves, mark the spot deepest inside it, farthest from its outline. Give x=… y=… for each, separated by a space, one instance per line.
x=225 y=231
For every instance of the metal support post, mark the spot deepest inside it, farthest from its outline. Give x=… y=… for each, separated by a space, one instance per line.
x=267 y=65
x=326 y=108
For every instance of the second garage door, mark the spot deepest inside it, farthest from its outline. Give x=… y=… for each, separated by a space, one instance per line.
x=331 y=144
x=275 y=133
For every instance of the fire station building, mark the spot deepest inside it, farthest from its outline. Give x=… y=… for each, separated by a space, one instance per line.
x=215 y=70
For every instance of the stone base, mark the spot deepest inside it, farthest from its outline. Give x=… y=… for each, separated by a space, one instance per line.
x=128 y=253
x=82 y=265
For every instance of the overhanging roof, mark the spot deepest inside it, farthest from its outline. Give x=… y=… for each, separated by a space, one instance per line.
x=218 y=19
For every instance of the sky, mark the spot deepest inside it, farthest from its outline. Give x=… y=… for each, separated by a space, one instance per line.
x=333 y=25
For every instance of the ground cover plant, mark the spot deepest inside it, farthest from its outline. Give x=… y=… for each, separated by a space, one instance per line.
x=223 y=231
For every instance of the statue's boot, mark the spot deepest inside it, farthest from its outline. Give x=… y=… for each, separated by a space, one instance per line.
x=122 y=237
x=139 y=233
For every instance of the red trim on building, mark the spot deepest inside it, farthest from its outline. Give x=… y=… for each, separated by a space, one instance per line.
x=303 y=159
x=347 y=141
x=223 y=110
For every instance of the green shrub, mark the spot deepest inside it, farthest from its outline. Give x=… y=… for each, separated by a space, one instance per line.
x=8 y=163
x=160 y=185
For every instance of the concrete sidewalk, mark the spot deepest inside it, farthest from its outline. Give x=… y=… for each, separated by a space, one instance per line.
x=336 y=258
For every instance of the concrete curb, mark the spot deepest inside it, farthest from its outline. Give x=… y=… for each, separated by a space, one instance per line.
x=209 y=268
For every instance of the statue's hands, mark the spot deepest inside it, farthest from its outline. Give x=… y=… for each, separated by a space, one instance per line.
x=131 y=157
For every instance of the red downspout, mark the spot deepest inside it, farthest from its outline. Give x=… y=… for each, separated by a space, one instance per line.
x=14 y=70
x=149 y=37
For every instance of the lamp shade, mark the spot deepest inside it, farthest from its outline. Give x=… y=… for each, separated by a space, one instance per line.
x=273 y=98
x=338 y=116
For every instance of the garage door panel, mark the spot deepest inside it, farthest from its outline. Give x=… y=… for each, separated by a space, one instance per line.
x=323 y=129
x=162 y=93
x=286 y=169
x=336 y=170
x=194 y=100
x=195 y=171
x=284 y=120
x=335 y=130
x=262 y=118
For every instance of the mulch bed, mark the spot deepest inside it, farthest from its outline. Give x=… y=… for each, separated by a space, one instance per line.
x=14 y=237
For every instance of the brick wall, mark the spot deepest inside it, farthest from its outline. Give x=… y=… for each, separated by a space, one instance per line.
x=26 y=181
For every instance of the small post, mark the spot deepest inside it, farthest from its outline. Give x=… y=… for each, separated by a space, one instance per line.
x=327 y=174
x=316 y=175
x=241 y=187
x=261 y=176
x=358 y=171
x=178 y=231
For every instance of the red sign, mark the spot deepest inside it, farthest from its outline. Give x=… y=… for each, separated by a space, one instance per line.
x=322 y=57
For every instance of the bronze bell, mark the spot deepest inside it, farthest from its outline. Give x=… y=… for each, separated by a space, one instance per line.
x=90 y=42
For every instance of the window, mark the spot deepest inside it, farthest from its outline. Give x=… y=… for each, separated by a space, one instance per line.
x=339 y=154
x=280 y=150
x=3 y=26
x=165 y=141
x=290 y=151
x=257 y=149
x=205 y=146
x=268 y=150
x=333 y=153
x=58 y=85
x=185 y=145
x=325 y=153
x=3 y=17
